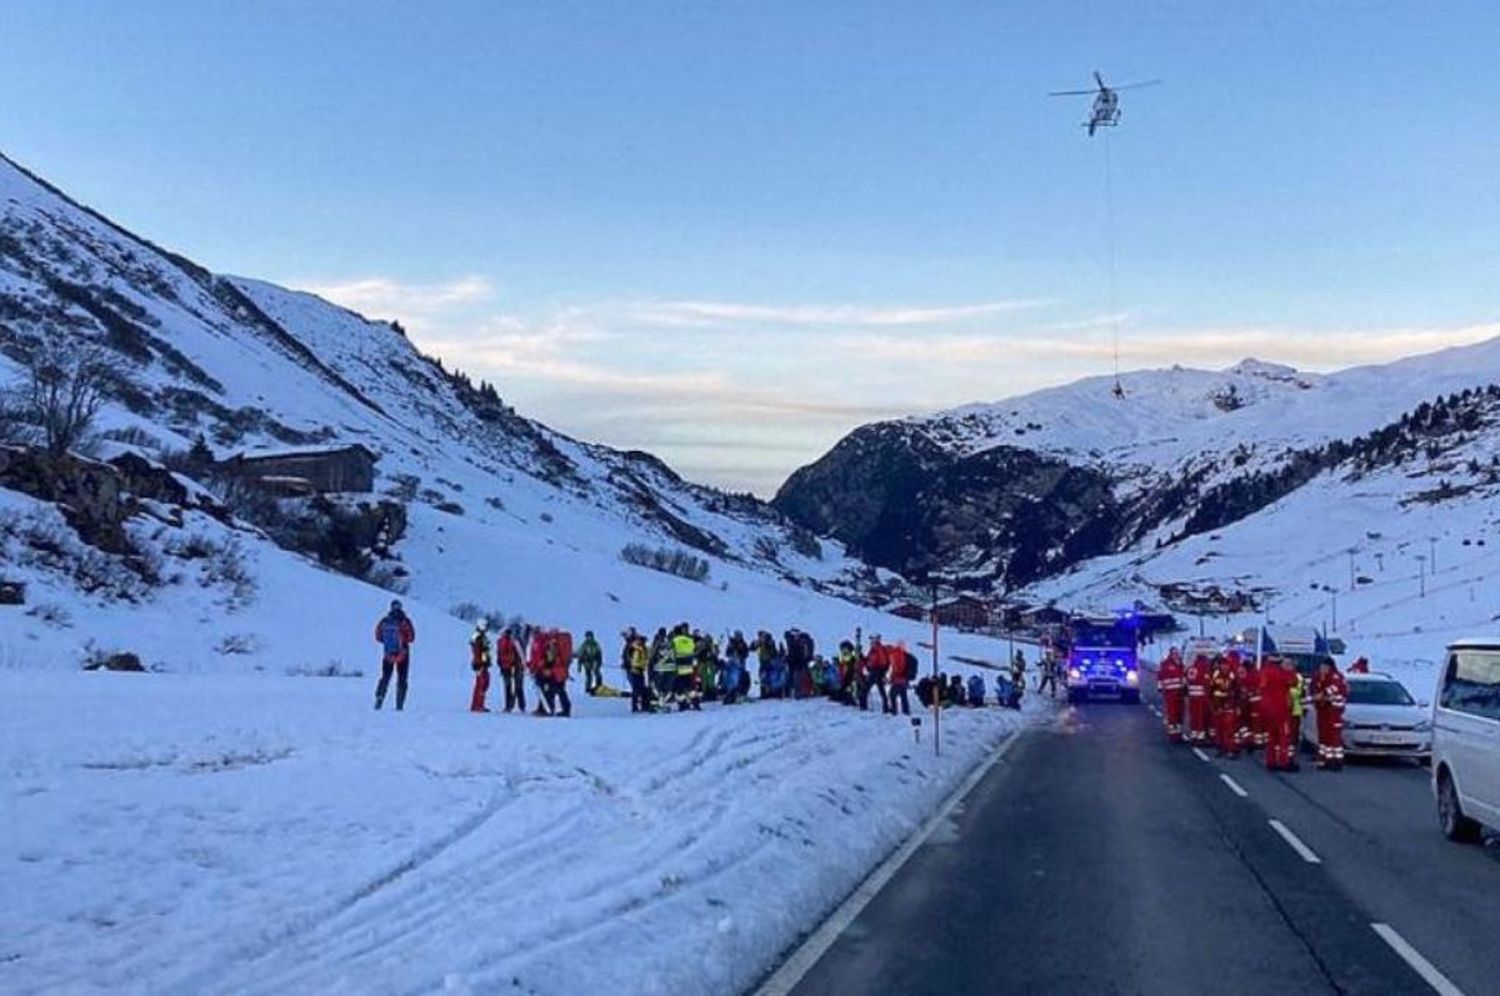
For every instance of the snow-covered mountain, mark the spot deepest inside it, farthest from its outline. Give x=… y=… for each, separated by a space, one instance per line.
x=495 y=509
x=1075 y=495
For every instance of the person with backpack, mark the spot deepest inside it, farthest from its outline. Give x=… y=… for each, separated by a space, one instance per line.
x=512 y=670
x=536 y=667
x=903 y=667
x=685 y=663
x=395 y=634
x=875 y=668
x=976 y=690
x=479 y=660
x=591 y=660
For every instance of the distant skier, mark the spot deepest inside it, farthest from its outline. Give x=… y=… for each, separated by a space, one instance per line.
x=479 y=660
x=395 y=634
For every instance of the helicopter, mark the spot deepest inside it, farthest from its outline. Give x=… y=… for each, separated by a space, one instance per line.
x=1106 y=110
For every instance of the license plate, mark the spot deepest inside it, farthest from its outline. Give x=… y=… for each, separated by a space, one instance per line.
x=1388 y=738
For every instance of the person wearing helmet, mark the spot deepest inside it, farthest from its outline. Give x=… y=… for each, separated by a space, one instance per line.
x=479 y=660
x=395 y=634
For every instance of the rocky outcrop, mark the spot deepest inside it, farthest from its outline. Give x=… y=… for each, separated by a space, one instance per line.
x=998 y=518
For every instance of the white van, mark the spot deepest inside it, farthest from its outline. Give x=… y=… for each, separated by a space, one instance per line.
x=1466 y=739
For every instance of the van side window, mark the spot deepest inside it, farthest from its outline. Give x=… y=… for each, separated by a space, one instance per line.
x=1472 y=683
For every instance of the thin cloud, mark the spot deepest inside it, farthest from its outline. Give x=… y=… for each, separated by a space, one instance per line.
x=704 y=314
x=384 y=297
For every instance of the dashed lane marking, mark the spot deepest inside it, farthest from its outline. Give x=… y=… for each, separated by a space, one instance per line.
x=1234 y=786
x=1201 y=756
x=1296 y=843
x=1429 y=973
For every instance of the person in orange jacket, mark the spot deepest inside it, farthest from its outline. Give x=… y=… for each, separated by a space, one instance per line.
x=1171 y=681
x=1224 y=690
x=1330 y=693
x=479 y=660
x=512 y=671
x=1198 y=674
x=395 y=634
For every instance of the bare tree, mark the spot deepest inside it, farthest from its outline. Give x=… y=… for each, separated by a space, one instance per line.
x=61 y=392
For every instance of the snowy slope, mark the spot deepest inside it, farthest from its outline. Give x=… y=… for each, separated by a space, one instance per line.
x=241 y=820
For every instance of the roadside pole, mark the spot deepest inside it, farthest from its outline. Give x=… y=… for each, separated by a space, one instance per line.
x=937 y=705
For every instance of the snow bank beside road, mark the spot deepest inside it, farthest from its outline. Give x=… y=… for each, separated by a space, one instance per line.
x=258 y=834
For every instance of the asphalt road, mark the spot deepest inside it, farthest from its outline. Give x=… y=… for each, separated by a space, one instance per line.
x=1095 y=858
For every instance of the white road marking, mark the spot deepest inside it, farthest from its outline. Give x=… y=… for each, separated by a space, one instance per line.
x=1429 y=973
x=1201 y=756
x=1234 y=786
x=801 y=961
x=1296 y=842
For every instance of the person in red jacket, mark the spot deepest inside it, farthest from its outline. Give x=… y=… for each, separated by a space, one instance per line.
x=902 y=666
x=557 y=655
x=479 y=660
x=1252 y=734
x=1198 y=674
x=1330 y=693
x=1171 y=680
x=395 y=634
x=1276 y=680
x=1361 y=665
x=512 y=671
x=1224 y=690
x=873 y=671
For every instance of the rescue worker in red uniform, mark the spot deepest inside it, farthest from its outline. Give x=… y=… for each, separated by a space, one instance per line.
x=1276 y=680
x=1330 y=693
x=1252 y=734
x=1171 y=679
x=1198 y=674
x=1226 y=707
x=512 y=671
x=479 y=660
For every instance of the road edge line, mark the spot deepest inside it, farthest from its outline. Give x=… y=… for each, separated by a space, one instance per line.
x=807 y=954
x=1306 y=853
x=1426 y=969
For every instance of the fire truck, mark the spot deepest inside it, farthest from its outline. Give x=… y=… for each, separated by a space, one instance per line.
x=1102 y=659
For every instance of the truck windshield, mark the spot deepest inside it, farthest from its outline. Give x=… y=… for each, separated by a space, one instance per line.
x=1091 y=635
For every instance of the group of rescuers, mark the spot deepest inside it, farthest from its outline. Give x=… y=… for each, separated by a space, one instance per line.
x=680 y=668
x=1228 y=701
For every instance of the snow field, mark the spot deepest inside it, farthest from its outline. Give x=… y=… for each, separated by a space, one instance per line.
x=243 y=833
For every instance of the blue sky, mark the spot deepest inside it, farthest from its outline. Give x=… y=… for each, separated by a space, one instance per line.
x=729 y=232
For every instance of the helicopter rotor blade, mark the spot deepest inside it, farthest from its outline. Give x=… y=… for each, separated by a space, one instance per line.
x=1137 y=86
x=1100 y=80
x=1072 y=93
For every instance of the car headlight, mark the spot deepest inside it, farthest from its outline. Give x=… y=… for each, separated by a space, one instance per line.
x=1132 y=677
x=1073 y=672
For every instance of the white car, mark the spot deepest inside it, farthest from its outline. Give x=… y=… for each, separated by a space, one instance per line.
x=1381 y=719
x=1466 y=739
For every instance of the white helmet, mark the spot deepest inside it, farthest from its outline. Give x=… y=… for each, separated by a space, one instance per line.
x=482 y=625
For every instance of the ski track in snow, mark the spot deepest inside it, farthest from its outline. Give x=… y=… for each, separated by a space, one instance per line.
x=435 y=850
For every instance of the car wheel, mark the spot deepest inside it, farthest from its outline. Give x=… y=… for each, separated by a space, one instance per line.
x=1456 y=826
